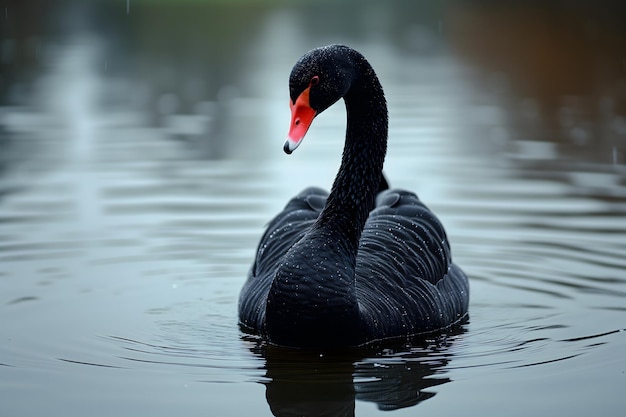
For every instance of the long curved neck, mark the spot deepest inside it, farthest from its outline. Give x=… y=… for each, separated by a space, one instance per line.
x=312 y=299
x=354 y=190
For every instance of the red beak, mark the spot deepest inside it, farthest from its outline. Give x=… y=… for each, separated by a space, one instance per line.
x=302 y=116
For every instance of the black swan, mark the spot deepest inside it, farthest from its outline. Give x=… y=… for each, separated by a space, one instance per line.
x=359 y=264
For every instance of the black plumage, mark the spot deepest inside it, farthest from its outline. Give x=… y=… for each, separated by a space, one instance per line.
x=358 y=264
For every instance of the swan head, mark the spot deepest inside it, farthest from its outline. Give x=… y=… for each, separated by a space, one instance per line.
x=318 y=80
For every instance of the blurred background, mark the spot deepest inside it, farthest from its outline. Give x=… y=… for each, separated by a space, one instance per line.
x=141 y=156
x=553 y=69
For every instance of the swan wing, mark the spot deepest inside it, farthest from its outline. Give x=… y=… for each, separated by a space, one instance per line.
x=405 y=279
x=282 y=232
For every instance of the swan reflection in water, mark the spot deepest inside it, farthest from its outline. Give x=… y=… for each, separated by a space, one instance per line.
x=303 y=382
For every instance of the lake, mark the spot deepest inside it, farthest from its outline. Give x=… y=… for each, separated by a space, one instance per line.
x=141 y=156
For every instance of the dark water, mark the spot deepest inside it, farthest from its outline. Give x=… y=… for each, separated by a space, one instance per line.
x=141 y=155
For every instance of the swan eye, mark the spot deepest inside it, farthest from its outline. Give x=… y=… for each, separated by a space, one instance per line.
x=315 y=80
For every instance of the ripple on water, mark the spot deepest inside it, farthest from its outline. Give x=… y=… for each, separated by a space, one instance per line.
x=122 y=253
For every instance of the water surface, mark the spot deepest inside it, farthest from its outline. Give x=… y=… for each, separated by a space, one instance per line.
x=138 y=168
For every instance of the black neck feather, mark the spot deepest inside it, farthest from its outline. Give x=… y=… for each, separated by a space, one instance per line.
x=355 y=187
